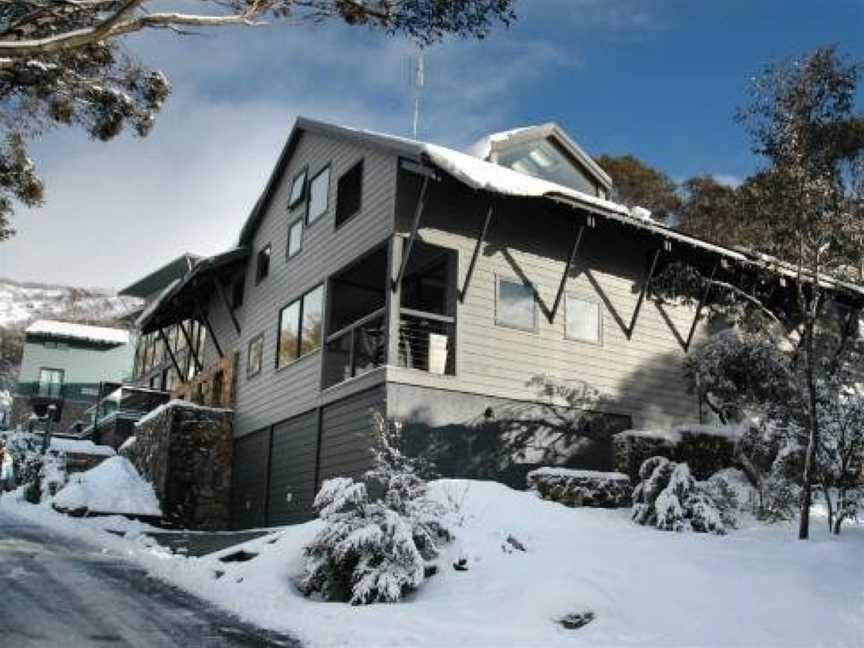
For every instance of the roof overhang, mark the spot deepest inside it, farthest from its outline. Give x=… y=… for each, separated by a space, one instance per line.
x=161 y=277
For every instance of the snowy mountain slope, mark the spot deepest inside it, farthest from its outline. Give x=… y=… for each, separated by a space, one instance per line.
x=22 y=303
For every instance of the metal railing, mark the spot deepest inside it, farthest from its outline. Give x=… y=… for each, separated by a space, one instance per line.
x=355 y=349
x=48 y=389
x=426 y=341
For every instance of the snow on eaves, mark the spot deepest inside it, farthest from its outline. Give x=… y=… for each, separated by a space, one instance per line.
x=84 y=332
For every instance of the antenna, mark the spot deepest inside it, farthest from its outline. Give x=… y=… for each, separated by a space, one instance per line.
x=418 y=81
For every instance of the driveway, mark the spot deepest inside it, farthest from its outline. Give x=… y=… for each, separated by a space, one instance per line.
x=59 y=592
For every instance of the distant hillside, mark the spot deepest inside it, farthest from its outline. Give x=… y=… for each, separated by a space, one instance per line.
x=23 y=302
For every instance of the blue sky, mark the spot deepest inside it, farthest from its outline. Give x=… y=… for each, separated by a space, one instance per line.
x=659 y=79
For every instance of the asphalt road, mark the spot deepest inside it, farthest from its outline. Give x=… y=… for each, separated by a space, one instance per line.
x=60 y=593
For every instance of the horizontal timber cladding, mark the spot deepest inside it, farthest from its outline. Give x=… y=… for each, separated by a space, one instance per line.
x=292 y=469
x=249 y=480
x=483 y=437
x=638 y=372
x=346 y=428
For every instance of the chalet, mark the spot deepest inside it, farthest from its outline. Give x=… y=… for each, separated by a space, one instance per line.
x=62 y=367
x=489 y=300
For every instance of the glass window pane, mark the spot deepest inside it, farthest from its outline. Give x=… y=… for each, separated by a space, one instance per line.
x=318 y=190
x=582 y=319
x=312 y=312
x=253 y=361
x=297 y=187
x=289 y=324
x=295 y=238
x=516 y=305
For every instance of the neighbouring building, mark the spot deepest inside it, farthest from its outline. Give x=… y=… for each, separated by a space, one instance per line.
x=495 y=302
x=62 y=368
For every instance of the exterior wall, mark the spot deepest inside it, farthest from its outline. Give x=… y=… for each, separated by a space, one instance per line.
x=640 y=377
x=279 y=469
x=483 y=437
x=275 y=395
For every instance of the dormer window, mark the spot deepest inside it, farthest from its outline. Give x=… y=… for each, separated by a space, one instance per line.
x=543 y=159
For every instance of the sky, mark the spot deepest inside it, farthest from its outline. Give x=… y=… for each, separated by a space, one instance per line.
x=659 y=79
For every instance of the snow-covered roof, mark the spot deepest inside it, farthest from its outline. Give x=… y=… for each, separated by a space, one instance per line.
x=83 y=332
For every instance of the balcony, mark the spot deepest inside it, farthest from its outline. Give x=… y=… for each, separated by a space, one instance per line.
x=426 y=341
x=48 y=390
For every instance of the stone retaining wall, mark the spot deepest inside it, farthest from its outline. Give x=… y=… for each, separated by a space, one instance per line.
x=186 y=452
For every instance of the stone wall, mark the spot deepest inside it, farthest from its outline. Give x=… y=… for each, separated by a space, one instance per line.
x=186 y=452
x=213 y=386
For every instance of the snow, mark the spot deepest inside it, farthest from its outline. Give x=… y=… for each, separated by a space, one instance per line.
x=81 y=446
x=113 y=486
x=674 y=434
x=79 y=331
x=754 y=587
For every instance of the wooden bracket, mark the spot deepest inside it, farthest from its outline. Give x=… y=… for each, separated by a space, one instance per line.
x=699 y=308
x=476 y=254
x=574 y=251
x=418 y=212
x=171 y=355
x=642 y=294
x=221 y=290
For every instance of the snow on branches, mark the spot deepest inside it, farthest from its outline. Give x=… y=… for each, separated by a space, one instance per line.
x=381 y=534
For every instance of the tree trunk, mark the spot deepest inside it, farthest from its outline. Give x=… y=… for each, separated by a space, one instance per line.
x=813 y=441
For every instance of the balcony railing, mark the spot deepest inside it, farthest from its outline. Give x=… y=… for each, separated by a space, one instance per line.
x=426 y=341
x=356 y=349
x=48 y=390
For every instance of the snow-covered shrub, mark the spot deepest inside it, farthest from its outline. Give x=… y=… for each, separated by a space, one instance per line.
x=732 y=492
x=670 y=499
x=581 y=487
x=381 y=534
x=52 y=475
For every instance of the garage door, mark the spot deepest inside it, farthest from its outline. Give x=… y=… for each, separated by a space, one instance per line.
x=292 y=478
x=249 y=480
x=345 y=440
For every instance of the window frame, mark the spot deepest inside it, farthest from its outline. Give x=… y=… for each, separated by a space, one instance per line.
x=249 y=373
x=588 y=300
x=291 y=225
x=535 y=306
x=258 y=277
x=337 y=223
x=304 y=172
x=328 y=169
x=301 y=312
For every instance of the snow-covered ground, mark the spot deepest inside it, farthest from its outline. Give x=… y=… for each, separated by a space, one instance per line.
x=754 y=587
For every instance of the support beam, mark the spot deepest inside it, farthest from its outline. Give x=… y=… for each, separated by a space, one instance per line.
x=221 y=290
x=642 y=294
x=171 y=355
x=393 y=300
x=699 y=308
x=418 y=212
x=203 y=316
x=574 y=251
x=473 y=264
x=191 y=346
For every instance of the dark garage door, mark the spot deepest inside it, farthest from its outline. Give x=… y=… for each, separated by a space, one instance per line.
x=249 y=480
x=292 y=478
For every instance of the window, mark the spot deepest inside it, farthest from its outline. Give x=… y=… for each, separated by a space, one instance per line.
x=295 y=237
x=300 y=327
x=319 y=188
x=298 y=189
x=516 y=305
x=262 y=269
x=253 y=356
x=349 y=193
x=582 y=320
x=50 y=382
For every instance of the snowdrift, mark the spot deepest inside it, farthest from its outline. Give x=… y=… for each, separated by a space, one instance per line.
x=114 y=487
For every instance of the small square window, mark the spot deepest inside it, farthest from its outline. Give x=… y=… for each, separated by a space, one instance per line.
x=298 y=189
x=319 y=189
x=349 y=193
x=253 y=356
x=582 y=320
x=295 y=237
x=262 y=268
x=516 y=305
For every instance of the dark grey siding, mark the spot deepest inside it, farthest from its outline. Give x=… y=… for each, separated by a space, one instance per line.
x=345 y=434
x=249 y=480
x=292 y=477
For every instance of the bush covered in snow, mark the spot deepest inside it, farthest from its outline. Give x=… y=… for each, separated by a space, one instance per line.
x=670 y=499
x=380 y=534
x=581 y=487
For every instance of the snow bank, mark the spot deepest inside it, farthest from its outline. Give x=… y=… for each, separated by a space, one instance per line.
x=114 y=486
x=82 y=332
x=677 y=432
x=81 y=446
x=754 y=587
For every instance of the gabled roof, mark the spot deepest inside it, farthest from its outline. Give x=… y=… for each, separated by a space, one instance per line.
x=80 y=332
x=483 y=175
x=162 y=276
x=490 y=146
